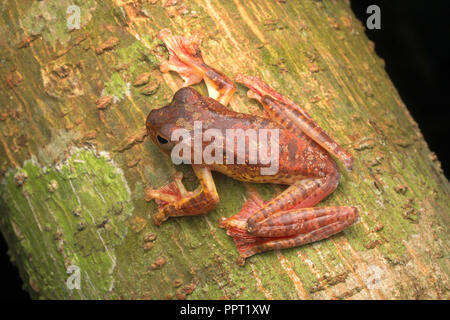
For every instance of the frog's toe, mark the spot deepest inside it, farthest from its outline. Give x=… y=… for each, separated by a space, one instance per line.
x=236 y=227
x=159 y=218
x=166 y=196
x=241 y=261
x=169 y=193
x=184 y=56
x=187 y=73
x=222 y=223
x=162 y=196
x=239 y=220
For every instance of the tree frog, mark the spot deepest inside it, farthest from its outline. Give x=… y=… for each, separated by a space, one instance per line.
x=305 y=162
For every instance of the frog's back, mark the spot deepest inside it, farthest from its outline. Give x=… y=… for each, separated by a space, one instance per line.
x=299 y=156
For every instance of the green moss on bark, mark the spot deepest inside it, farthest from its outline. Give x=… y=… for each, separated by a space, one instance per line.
x=73 y=213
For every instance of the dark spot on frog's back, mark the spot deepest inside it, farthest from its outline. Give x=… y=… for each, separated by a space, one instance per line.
x=292 y=151
x=186 y=95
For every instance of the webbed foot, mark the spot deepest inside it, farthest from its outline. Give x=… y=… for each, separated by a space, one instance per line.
x=184 y=55
x=166 y=195
x=186 y=59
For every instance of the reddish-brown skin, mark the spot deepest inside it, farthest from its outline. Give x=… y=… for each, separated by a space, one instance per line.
x=301 y=158
x=289 y=219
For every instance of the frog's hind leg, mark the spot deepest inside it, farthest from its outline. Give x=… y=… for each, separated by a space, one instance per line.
x=293 y=117
x=307 y=225
x=288 y=220
x=174 y=200
x=312 y=224
x=186 y=59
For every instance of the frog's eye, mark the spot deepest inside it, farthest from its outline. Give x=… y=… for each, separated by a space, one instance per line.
x=161 y=140
x=164 y=143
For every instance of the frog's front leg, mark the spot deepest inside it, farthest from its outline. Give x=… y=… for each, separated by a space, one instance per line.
x=174 y=200
x=186 y=59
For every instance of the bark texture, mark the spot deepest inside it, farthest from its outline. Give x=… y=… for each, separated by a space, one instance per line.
x=75 y=162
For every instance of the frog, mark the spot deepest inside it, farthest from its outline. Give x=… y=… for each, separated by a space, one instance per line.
x=306 y=164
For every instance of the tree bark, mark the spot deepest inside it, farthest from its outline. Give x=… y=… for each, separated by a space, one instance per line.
x=75 y=161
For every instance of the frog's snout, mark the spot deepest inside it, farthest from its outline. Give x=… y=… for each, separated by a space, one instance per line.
x=152 y=118
x=153 y=122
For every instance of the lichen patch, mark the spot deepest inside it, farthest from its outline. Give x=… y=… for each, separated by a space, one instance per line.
x=70 y=214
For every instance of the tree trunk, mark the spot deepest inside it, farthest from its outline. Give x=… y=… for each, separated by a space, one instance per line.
x=75 y=161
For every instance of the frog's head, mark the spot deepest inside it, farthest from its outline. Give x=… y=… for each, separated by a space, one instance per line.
x=176 y=115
